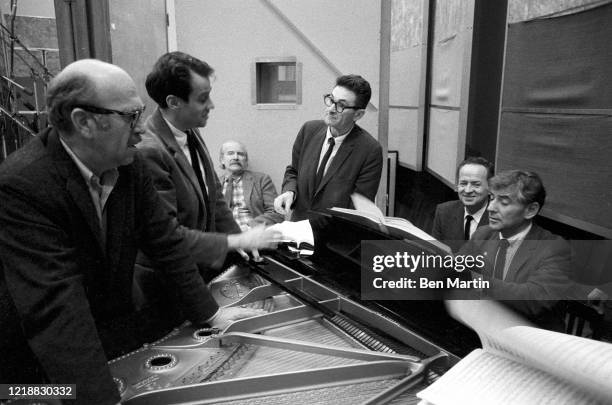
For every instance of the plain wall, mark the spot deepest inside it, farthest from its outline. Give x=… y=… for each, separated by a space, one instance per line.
x=230 y=34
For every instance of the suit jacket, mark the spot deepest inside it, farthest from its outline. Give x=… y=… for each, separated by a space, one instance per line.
x=538 y=276
x=259 y=195
x=176 y=181
x=177 y=184
x=449 y=223
x=60 y=288
x=356 y=168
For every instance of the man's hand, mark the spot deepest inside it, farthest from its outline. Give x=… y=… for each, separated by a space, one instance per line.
x=258 y=237
x=254 y=253
x=225 y=316
x=282 y=203
x=596 y=300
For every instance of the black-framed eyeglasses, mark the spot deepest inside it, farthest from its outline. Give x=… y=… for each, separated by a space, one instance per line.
x=328 y=99
x=134 y=115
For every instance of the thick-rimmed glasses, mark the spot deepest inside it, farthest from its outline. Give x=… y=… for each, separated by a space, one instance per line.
x=134 y=115
x=328 y=99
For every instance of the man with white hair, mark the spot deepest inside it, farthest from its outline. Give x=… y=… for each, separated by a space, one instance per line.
x=250 y=195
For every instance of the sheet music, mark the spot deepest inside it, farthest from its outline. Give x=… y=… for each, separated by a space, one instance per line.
x=581 y=361
x=298 y=232
x=544 y=366
x=487 y=379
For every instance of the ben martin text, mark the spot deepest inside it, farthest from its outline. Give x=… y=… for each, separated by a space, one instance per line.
x=425 y=283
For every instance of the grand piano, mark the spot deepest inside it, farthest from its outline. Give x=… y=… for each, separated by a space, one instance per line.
x=318 y=342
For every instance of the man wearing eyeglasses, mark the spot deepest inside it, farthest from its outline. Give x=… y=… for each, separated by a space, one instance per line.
x=332 y=158
x=76 y=205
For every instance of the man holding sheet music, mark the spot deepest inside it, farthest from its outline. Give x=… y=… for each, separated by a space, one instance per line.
x=528 y=267
x=332 y=158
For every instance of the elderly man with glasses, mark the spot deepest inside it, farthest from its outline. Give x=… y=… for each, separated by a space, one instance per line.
x=332 y=158
x=77 y=204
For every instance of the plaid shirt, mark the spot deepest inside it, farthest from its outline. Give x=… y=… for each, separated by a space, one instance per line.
x=241 y=212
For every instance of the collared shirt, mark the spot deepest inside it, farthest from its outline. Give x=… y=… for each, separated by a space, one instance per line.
x=99 y=188
x=338 y=141
x=514 y=242
x=181 y=139
x=476 y=217
x=241 y=212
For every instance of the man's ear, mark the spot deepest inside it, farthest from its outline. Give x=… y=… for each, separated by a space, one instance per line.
x=532 y=210
x=358 y=114
x=173 y=101
x=82 y=122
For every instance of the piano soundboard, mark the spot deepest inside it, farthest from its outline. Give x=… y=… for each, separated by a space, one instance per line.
x=313 y=346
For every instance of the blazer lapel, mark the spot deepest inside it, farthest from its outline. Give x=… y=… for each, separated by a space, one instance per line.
x=210 y=178
x=160 y=128
x=527 y=249
x=459 y=222
x=80 y=195
x=76 y=186
x=312 y=156
x=346 y=148
x=247 y=186
x=115 y=214
x=489 y=249
x=484 y=220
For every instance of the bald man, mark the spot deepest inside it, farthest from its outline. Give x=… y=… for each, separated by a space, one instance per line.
x=250 y=195
x=77 y=204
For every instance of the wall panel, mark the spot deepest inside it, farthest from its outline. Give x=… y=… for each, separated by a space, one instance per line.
x=407 y=80
x=451 y=62
x=230 y=34
x=556 y=113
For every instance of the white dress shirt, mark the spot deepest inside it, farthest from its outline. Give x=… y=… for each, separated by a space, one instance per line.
x=476 y=217
x=338 y=141
x=514 y=242
x=181 y=139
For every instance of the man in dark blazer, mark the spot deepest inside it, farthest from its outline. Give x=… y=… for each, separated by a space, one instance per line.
x=181 y=167
x=528 y=267
x=77 y=204
x=456 y=221
x=251 y=194
x=333 y=158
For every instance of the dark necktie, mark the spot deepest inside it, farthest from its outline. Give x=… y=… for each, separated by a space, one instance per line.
x=500 y=259
x=195 y=160
x=229 y=192
x=468 y=223
x=192 y=144
x=321 y=170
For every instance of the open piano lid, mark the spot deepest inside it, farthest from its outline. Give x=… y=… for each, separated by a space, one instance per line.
x=317 y=343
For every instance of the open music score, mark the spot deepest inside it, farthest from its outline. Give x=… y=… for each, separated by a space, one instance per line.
x=521 y=364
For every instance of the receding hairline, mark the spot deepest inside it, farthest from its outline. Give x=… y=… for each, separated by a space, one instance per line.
x=90 y=68
x=486 y=169
x=101 y=76
x=236 y=142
